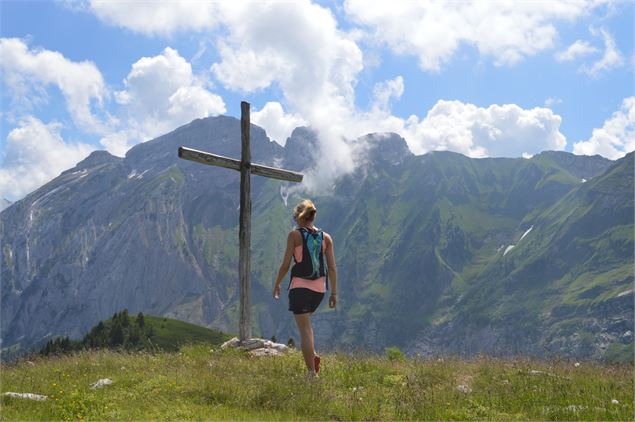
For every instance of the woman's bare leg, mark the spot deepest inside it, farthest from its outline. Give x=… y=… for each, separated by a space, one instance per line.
x=306 y=339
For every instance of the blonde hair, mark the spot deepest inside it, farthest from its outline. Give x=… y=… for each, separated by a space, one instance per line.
x=305 y=210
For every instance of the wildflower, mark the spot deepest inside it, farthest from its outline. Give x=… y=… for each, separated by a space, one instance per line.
x=615 y=401
x=577 y=364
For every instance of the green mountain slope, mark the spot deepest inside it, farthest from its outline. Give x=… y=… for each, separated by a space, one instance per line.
x=568 y=283
x=140 y=332
x=436 y=253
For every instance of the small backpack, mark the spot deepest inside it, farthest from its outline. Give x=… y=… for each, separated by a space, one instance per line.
x=312 y=265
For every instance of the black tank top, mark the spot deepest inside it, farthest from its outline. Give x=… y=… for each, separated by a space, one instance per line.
x=304 y=268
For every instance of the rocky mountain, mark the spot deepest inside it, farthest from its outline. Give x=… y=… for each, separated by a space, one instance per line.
x=436 y=253
x=4 y=202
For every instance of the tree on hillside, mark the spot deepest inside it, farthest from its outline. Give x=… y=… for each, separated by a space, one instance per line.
x=134 y=335
x=124 y=318
x=140 y=320
x=116 y=333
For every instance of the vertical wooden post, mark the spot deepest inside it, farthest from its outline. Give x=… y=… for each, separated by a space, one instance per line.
x=244 y=234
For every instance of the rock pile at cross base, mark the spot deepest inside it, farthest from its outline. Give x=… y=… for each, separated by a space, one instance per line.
x=257 y=346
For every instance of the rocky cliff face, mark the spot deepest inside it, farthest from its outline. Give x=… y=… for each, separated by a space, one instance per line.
x=125 y=232
x=436 y=253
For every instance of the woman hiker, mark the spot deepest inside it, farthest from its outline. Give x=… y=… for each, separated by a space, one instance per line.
x=309 y=279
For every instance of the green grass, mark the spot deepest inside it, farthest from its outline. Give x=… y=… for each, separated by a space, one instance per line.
x=199 y=383
x=170 y=334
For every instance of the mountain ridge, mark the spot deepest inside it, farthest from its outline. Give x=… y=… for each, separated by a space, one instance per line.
x=153 y=233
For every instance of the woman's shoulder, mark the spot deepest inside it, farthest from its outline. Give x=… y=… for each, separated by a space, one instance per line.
x=295 y=234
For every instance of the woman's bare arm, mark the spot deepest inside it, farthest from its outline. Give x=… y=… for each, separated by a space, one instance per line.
x=330 y=260
x=286 y=263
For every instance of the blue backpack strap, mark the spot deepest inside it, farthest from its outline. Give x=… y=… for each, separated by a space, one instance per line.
x=314 y=244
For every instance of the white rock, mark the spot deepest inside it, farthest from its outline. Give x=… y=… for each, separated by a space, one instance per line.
x=464 y=388
x=264 y=352
x=264 y=347
x=100 y=383
x=280 y=347
x=30 y=396
x=233 y=342
x=253 y=343
x=615 y=401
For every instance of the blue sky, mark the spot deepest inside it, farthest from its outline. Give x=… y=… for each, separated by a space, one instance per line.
x=482 y=78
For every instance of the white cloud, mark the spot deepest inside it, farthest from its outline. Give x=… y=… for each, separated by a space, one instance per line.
x=611 y=59
x=36 y=153
x=552 y=101
x=298 y=47
x=295 y=45
x=434 y=30
x=579 y=48
x=157 y=18
x=28 y=72
x=384 y=91
x=119 y=142
x=496 y=131
x=161 y=94
x=276 y=122
x=615 y=138
x=249 y=70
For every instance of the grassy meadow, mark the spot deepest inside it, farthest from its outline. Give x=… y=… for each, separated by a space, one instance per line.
x=202 y=382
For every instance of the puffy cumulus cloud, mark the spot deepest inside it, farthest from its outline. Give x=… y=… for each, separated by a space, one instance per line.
x=157 y=18
x=161 y=93
x=190 y=101
x=249 y=70
x=496 y=131
x=611 y=58
x=119 y=142
x=36 y=153
x=434 y=30
x=579 y=48
x=276 y=122
x=299 y=48
x=28 y=72
x=615 y=138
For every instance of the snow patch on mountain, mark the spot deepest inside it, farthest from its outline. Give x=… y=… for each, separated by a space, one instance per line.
x=134 y=174
x=510 y=247
x=526 y=233
x=284 y=194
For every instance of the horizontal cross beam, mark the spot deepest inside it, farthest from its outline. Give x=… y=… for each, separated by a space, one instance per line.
x=230 y=163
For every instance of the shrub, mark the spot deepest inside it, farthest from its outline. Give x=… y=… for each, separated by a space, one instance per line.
x=394 y=354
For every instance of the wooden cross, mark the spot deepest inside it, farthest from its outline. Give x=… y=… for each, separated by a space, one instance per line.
x=246 y=167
